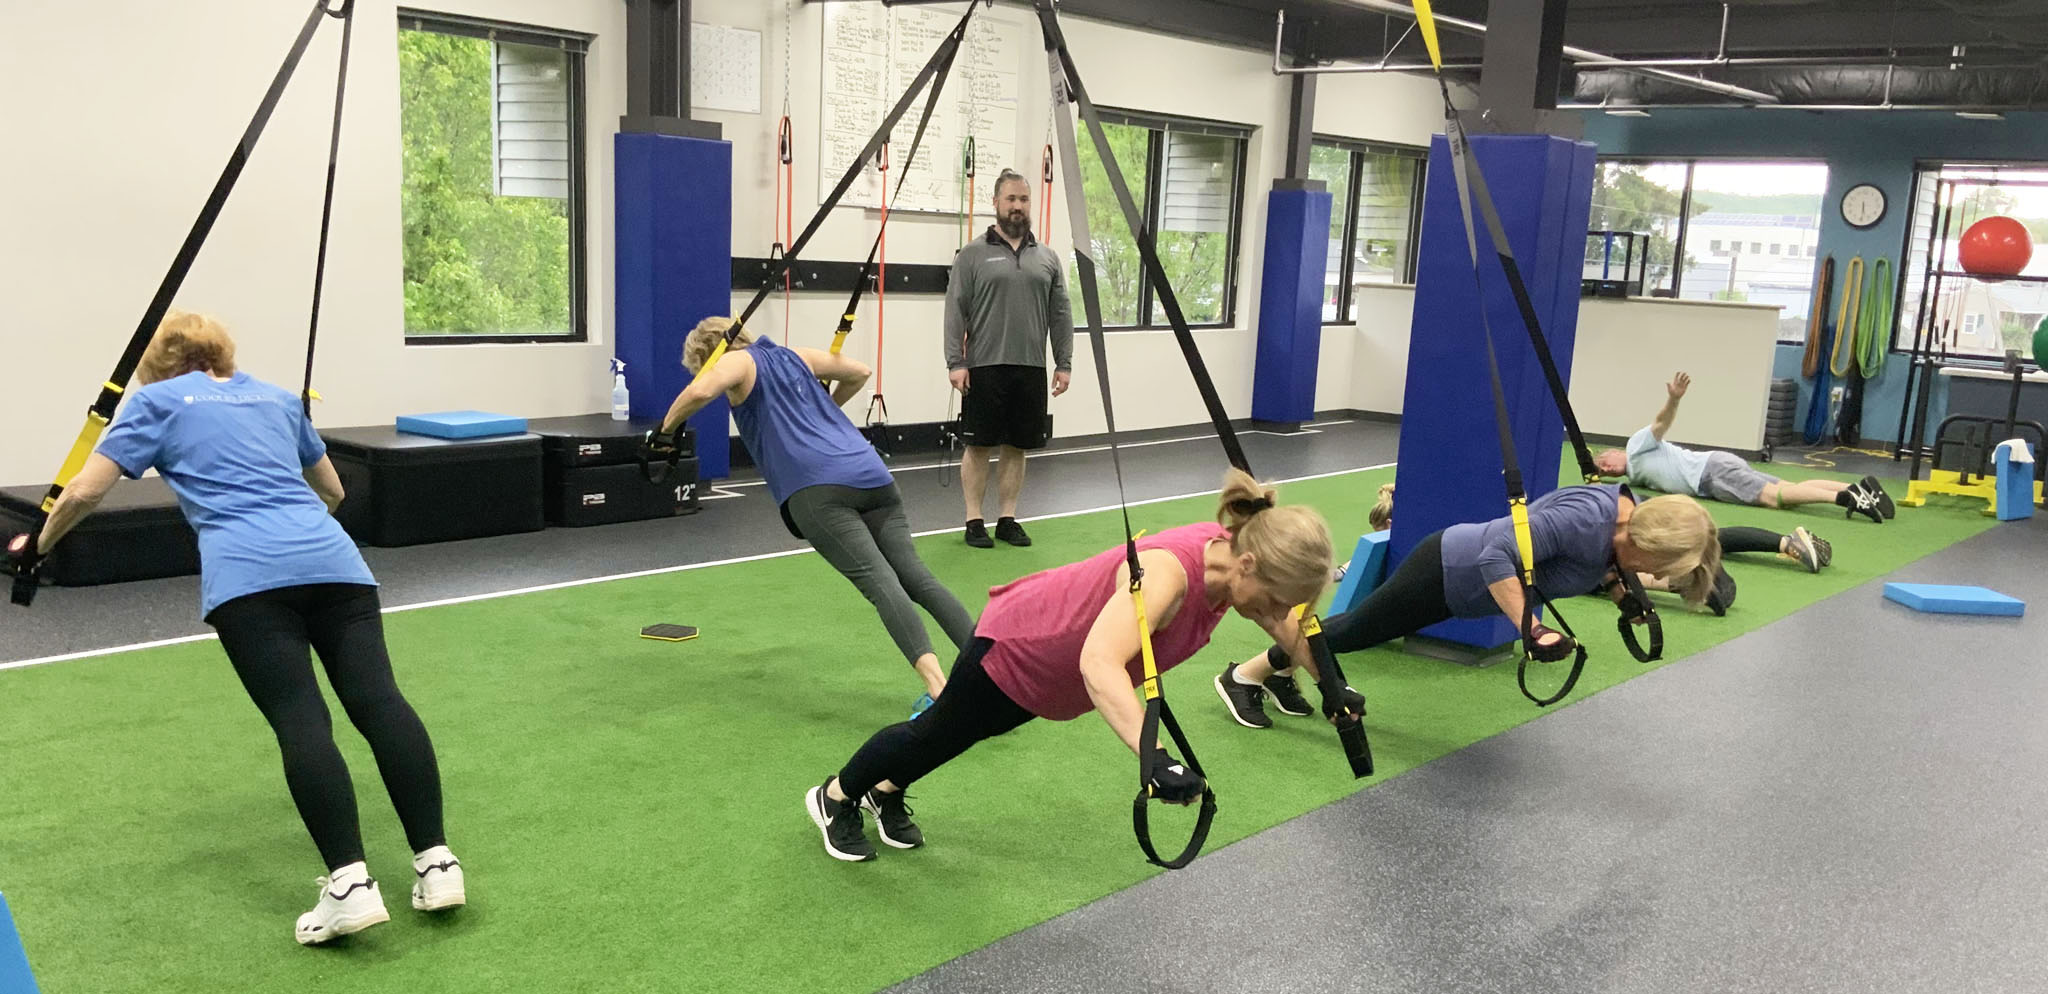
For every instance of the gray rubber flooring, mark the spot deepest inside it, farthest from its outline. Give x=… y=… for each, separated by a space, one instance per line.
x=736 y=520
x=1849 y=800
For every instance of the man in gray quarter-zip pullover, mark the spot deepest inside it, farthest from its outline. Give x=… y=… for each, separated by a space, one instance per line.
x=1006 y=301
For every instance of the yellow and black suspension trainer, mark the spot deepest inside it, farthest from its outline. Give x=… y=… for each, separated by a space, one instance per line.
x=1069 y=99
x=1474 y=198
x=23 y=564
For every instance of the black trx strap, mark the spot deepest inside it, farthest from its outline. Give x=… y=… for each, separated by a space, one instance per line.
x=1068 y=90
x=937 y=66
x=101 y=413
x=1473 y=193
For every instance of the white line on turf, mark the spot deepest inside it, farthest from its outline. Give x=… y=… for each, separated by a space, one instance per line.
x=806 y=550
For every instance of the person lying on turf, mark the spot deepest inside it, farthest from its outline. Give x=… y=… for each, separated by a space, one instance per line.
x=277 y=576
x=833 y=489
x=1582 y=536
x=1650 y=461
x=1063 y=642
x=1803 y=547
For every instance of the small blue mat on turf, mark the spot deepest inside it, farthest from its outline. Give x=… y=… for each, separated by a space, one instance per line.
x=461 y=424
x=1936 y=598
x=15 y=977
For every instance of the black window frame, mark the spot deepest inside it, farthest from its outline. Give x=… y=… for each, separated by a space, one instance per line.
x=1926 y=171
x=576 y=45
x=1153 y=196
x=1358 y=149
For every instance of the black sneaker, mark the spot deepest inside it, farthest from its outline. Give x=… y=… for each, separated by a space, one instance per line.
x=977 y=535
x=892 y=819
x=1857 y=500
x=839 y=823
x=1246 y=703
x=1287 y=696
x=1884 y=500
x=1010 y=531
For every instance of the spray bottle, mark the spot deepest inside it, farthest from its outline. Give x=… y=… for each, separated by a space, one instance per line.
x=622 y=407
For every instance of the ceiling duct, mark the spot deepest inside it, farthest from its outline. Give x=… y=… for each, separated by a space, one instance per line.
x=1873 y=86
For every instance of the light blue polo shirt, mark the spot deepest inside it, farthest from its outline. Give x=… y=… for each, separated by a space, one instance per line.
x=1664 y=466
x=235 y=453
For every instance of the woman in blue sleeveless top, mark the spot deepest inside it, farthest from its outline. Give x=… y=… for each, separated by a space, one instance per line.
x=833 y=489
x=278 y=577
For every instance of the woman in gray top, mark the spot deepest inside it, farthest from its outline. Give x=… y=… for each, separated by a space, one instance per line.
x=1582 y=536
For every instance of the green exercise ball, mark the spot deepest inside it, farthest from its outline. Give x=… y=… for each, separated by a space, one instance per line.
x=2041 y=342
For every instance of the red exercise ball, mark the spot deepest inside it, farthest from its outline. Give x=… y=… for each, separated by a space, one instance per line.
x=1996 y=246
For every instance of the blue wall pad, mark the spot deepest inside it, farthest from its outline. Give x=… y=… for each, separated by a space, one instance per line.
x=673 y=268
x=461 y=424
x=2015 y=488
x=1936 y=598
x=1368 y=567
x=15 y=977
x=1290 y=334
x=1450 y=453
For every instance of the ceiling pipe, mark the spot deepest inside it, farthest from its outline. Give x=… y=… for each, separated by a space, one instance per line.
x=1576 y=54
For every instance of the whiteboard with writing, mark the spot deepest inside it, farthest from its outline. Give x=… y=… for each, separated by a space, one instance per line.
x=725 y=68
x=872 y=53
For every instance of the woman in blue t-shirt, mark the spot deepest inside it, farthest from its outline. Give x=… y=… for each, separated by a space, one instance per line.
x=278 y=576
x=1582 y=536
x=833 y=489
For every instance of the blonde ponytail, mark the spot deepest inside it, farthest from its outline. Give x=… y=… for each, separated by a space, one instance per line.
x=1680 y=541
x=703 y=340
x=1381 y=517
x=1289 y=546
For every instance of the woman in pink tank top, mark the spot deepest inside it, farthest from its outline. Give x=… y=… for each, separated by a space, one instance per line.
x=1064 y=642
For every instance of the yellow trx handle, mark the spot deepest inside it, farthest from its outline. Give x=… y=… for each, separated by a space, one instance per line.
x=1145 y=642
x=1426 y=20
x=839 y=338
x=1525 y=544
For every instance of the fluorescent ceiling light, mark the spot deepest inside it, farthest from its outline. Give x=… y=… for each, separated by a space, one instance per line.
x=1628 y=112
x=1976 y=115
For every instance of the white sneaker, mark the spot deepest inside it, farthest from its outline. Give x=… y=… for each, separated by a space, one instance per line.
x=437 y=880
x=349 y=903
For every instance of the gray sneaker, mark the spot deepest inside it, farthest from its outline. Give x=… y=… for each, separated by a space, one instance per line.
x=1800 y=546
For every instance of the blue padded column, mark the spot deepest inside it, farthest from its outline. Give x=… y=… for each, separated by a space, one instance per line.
x=1450 y=467
x=673 y=224
x=1291 y=302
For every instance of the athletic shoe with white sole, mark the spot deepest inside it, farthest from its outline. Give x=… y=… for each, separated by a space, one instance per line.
x=892 y=819
x=1800 y=545
x=1884 y=500
x=1287 y=695
x=1860 y=500
x=437 y=880
x=1822 y=547
x=1245 y=701
x=839 y=823
x=349 y=903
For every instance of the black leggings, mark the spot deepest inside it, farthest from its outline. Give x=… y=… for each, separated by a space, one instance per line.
x=971 y=709
x=266 y=636
x=1743 y=539
x=1408 y=602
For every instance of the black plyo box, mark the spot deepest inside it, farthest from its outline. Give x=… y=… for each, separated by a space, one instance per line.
x=138 y=533
x=604 y=495
x=408 y=489
x=597 y=440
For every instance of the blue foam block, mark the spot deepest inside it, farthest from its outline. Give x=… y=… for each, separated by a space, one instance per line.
x=15 y=977
x=1936 y=598
x=461 y=424
x=1362 y=577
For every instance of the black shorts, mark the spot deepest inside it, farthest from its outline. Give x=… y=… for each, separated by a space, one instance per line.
x=1004 y=405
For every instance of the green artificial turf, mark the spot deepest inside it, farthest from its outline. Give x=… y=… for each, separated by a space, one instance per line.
x=629 y=811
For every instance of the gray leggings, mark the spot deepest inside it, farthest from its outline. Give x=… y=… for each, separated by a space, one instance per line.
x=865 y=535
